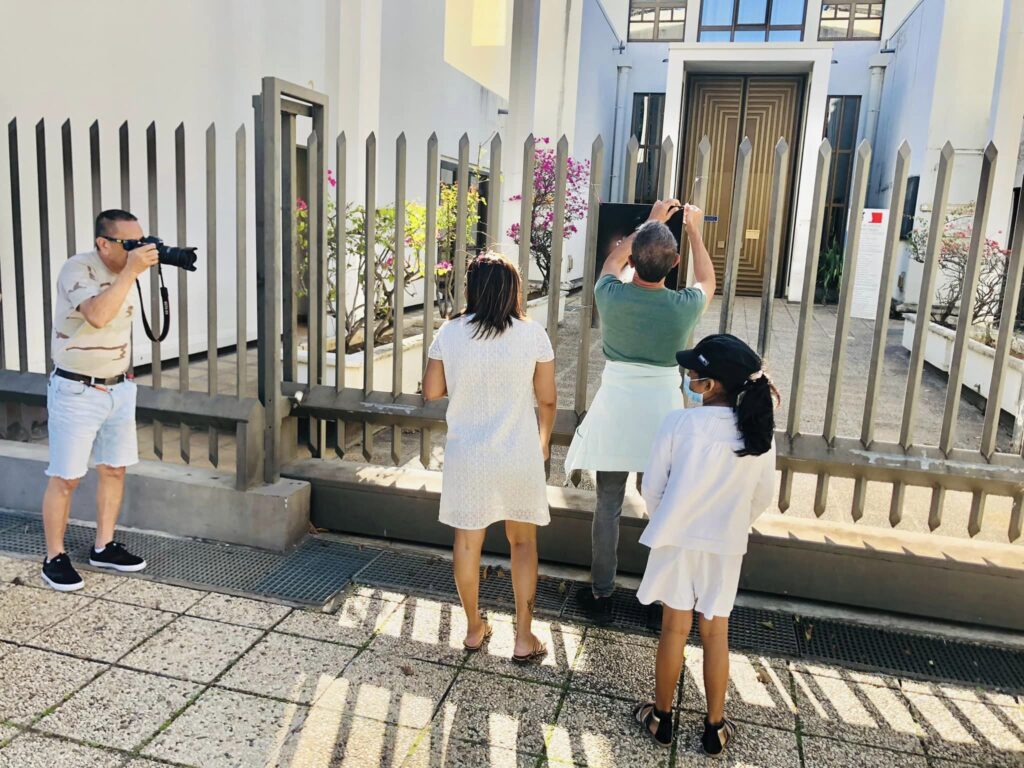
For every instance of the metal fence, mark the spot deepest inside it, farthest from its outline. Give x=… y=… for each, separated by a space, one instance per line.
x=323 y=401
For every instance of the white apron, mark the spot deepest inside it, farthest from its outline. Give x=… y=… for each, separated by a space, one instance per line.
x=619 y=428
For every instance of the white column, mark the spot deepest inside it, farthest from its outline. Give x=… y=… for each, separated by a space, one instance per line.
x=558 y=58
x=1007 y=115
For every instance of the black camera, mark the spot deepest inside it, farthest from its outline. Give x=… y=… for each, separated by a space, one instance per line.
x=182 y=258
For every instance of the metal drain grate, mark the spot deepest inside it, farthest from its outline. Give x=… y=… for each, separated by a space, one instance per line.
x=496 y=590
x=393 y=569
x=315 y=571
x=627 y=611
x=907 y=654
x=752 y=629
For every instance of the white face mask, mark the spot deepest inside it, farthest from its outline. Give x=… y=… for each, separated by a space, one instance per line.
x=696 y=398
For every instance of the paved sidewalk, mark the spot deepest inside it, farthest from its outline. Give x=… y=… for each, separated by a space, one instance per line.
x=140 y=674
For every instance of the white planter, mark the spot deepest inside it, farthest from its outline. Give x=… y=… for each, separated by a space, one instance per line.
x=537 y=309
x=980 y=359
x=383 y=357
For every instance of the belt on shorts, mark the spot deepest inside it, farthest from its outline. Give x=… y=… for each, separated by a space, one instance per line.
x=92 y=381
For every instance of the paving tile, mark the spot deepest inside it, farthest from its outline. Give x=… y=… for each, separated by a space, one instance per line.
x=623 y=636
x=6 y=648
x=501 y=711
x=12 y=568
x=377 y=593
x=754 y=747
x=614 y=667
x=34 y=751
x=830 y=753
x=563 y=644
x=8 y=732
x=288 y=667
x=353 y=624
x=31 y=681
x=960 y=692
x=239 y=610
x=97 y=583
x=153 y=594
x=853 y=711
x=422 y=628
x=25 y=612
x=758 y=690
x=399 y=691
x=328 y=739
x=843 y=673
x=456 y=753
x=119 y=709
x=192 y=649
x=142 y=762
x=969 y=731
x=225 y=729
x=103 y=630
x=600 y=732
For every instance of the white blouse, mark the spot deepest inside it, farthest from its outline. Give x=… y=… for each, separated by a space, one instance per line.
x=700 y=495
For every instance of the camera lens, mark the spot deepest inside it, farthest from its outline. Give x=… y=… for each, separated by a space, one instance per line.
x=182 y=258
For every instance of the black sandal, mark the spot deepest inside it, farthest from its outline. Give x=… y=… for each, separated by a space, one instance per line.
x=487 y=636
x=540 y=650
x=645 y=713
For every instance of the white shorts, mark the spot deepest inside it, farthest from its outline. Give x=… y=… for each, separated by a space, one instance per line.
x=84 y=421
x=686 y=579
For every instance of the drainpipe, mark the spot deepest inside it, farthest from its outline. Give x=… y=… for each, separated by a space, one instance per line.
x=619 y=129
x=876 y=67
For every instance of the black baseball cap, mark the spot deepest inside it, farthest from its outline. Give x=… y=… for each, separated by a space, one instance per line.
x=722 y=357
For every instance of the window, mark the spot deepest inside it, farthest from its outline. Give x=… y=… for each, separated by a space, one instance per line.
x=648 y=113
x=477 y=181
x=841 y=118
x=909 y=207
x=657 y=20
x=752 y=21
x=851 y=21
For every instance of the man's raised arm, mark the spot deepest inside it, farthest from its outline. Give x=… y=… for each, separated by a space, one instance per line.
x=703 y=269
x=617 y=261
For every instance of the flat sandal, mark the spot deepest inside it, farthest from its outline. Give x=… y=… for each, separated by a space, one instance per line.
x=645 y=713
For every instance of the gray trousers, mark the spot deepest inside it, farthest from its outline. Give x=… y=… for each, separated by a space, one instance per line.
x=604 y=533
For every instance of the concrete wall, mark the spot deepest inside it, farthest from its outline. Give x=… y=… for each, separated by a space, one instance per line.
x=135 y=60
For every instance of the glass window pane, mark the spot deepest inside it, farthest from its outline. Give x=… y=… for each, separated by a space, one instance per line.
x=875 y=12
x=860 y=10
x=841 y=182
x=715 y=36
x=828 y=11
x=785 y=36
x=641 y=30
x=749 y=36
x=867 y=28
x=636 y=127
x=671 y=30
x=788 y=11
x=752 y=12
x=832 y=119
x=848 y=132
x=716 y=13
x=833 y=29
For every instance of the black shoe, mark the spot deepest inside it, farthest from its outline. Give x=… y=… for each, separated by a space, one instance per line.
x=61 y=575
x=115 y=556
x=716 y=738
x=597 y=609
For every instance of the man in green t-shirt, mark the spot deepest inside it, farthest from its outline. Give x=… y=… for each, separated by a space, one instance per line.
x=643 y=325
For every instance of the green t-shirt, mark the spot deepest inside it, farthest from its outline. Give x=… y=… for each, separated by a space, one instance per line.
x=645 y=325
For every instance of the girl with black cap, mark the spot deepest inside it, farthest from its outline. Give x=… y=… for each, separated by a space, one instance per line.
x=711 y=473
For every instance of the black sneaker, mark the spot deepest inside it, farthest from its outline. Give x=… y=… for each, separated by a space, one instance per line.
x=60 y=574
x=597 y=609
x=716 y=738
x=115 y=556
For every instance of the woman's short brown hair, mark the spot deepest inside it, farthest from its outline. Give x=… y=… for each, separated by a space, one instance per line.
x=493 y=294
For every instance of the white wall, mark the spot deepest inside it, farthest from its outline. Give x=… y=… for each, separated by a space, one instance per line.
x=136 y=60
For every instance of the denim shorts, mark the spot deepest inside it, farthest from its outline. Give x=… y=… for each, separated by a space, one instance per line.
x=87 y=421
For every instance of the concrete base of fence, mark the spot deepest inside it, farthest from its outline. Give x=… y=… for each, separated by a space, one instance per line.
x=912 y=573
x=171 y=498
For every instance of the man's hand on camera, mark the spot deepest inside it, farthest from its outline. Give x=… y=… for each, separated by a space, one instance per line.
x=693 y=217
x=142 y=259
x=663 y=210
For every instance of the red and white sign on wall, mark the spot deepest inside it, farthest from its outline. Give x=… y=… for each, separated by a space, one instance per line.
x=869 y=263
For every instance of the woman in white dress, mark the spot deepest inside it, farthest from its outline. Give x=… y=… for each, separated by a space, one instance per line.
x=492 y=363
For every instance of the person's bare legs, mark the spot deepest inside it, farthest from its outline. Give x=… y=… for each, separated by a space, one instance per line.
x=109 y=493
x=466 y=567
x=675 y=628
x=56 y=509
x=714 y=637
x=522 y=542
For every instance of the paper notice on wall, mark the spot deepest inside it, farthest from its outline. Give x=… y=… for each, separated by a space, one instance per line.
x=868 y=278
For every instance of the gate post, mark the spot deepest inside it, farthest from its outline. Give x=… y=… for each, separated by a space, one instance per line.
x=278 y=97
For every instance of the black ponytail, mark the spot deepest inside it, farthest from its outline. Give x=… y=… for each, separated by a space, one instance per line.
x=754 y=403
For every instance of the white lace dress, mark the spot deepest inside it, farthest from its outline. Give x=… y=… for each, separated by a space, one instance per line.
x=493 y=467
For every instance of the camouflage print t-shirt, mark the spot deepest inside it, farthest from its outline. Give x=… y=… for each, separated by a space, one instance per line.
x=77 y=346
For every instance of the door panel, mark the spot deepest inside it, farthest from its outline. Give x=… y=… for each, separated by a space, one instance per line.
x=767 y=108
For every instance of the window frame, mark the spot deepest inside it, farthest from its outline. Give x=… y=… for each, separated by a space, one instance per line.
x=651 y=147
x=735 y=27
x=831 y=208
x=849 y=25
x=657 y=6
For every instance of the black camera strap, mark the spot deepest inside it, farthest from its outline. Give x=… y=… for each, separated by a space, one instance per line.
x=164 y=301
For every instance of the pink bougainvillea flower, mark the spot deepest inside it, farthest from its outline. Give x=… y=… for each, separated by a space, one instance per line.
x=301 y=204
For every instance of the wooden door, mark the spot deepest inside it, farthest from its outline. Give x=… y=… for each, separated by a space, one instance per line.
x=726 y=108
